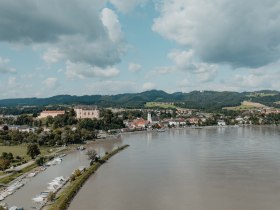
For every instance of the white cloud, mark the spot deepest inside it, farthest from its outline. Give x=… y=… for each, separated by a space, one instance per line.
x=79 y=31
x=111 y=22
x=240 y=33
x=82 y=70
x=134 y=67
x=148 y=86
x=4 y=68
x=52 y=55
x=12 y=82
x=126 y=6
x=185 y=61
x=51 y=83
x=183 y=83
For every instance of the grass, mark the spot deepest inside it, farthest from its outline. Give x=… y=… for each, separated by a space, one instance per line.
x=246 y=105
x=160 y=105
x=20 y=150
x=8 y=179
x=68 y=194
x=256 y=95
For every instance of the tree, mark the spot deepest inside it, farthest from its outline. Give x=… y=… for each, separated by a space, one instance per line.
x=4 y=163
x=40 y=161
x=33 y=150
x=5 y=128
x=91 y=154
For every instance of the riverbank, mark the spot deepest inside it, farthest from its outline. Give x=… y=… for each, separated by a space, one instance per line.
x=68 y=193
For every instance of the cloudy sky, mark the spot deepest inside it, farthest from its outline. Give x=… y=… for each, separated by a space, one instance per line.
x=83 y=47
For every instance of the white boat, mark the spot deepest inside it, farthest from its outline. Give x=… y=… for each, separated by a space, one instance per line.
x=32 y=174
x=38 y=199
x=14 y=187
x=54 y=162
x=60 y=178
x=57 y=160
x=62 y=155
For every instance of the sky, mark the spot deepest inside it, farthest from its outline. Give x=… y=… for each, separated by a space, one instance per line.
x=88 y=47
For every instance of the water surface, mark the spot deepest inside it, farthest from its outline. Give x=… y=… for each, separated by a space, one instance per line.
x=193 y=169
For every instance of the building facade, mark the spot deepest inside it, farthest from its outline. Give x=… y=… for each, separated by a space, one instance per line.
x=45 y=114
x=87 y=112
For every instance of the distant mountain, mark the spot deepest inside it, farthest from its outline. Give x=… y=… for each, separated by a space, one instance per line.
x=210 y=100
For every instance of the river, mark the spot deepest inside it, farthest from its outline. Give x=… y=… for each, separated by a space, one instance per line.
x=194 y=169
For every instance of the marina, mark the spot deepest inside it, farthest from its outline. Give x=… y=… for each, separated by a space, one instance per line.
x=38 y=183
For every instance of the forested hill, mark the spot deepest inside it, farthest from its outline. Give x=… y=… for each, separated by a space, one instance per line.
x=196 y=99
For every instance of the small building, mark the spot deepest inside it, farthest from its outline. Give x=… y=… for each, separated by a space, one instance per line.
x=193 y=120
x=221 y=123
x=87 y=112
x=46 y=113
x=139 y=123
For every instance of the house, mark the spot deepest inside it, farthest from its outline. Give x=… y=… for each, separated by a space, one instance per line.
x=46 y=113
x=87 y=112
x=25 y=128
x=240 y=120
x=221 y=123
x=21 y=128
x=193 y=120
x=139 y=123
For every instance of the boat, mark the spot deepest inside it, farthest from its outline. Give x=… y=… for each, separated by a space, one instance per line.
x=56 y=183
x=160 y=130
x=62 y=155
x=54 y=162
x=38 y=199
x=32 y=174
x=57 y=161
x=81 y=148
x=13 y=208
x=11 y=189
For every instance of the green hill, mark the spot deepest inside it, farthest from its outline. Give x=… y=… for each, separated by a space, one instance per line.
x=208 y=100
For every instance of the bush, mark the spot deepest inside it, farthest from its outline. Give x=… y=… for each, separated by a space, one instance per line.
x=72 y=178
x=51 y=196
x=40 y=161
x=77 y=173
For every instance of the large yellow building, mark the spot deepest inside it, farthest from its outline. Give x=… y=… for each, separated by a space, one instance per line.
x=45 y=114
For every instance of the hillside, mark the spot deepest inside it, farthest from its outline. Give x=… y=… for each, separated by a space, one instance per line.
x=208 y=100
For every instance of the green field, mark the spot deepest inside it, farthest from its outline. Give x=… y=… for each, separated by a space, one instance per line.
x=160 y=105
x=246 y=105
x=21 y=151
x=256 y=95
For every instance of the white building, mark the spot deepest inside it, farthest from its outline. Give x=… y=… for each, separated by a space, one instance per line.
x=221 y=123
x=149 y=118
x=84 y=112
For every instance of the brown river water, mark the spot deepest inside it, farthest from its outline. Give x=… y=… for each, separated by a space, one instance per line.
x=191 y=169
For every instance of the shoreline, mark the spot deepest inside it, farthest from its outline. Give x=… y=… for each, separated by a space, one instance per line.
x=197 y=127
